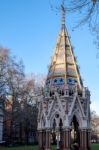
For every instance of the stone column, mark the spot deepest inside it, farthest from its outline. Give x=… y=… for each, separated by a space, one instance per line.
x=40 y=140
x=89 y=139
x=48 y=142
x=66 y=139
x=83 y=140
x=1 y=128
x=44 y=138
x=61 y=139
x=57 y=134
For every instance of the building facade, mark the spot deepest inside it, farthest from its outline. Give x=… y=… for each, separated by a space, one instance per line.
x=64 y=107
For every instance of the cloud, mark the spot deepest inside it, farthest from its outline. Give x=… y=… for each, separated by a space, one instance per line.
x=95 y=106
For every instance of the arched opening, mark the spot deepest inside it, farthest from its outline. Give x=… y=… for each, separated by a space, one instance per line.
x=75 y=135
x=61 y=135
x=53 y=137
x=56 y=132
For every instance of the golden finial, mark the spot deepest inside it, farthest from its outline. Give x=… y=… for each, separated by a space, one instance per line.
x=63 y=13
x=60 y=7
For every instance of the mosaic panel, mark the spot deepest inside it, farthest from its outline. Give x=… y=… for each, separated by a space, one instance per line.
x=71 y=81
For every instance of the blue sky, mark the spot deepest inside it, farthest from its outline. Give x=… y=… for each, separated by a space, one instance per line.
x=30 y=29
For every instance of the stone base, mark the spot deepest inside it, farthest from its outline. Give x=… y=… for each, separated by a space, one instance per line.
x=66 y=148
x=89 y=148
x=83 y=148
x=47 y=149
x=40 y=148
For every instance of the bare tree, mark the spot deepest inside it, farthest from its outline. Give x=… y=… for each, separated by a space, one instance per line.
x=27 y=119
x=11 y=78
x=4 y=58
x=95 y=126
x=32 y=87
x=20 y=95
x=86 y=12
x=14 y=79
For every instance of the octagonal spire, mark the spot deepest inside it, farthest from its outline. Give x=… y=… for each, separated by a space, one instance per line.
x=63 y=70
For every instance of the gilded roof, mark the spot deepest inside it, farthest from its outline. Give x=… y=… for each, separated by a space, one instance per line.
x=63 y=69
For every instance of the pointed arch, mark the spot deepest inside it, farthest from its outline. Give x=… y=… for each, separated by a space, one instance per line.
x=53 y=116
x=76 y=99
x=78 y=117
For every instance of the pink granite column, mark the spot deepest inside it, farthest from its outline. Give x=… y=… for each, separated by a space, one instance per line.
x=48 y=142
x=83 y=140
x=89 y=139
x=40 y=140
x=66 y=139
x=61 y=139
x=44 y=138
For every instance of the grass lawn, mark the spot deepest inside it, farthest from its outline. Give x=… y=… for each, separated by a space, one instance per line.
x=94 y=147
